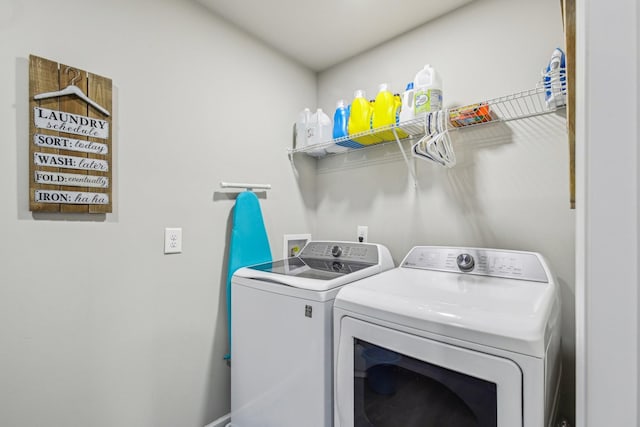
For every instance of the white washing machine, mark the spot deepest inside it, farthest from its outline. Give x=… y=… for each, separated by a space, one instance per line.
x=281 y=333
x=455 y=337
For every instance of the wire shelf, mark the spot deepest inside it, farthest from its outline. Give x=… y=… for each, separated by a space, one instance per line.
x=547 y=97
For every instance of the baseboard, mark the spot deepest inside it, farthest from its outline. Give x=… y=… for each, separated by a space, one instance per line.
x=220 y=422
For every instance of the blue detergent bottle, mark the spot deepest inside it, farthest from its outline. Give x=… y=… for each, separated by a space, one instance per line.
x=340 y=125
x=555 y=80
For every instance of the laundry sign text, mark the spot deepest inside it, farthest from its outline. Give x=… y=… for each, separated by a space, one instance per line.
x=71 y=179
x=71 y=162
x=59 y=142
x=70 y=123
x=70 y=139
x=71 y=197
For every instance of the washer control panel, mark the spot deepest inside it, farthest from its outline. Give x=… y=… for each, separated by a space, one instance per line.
x=483 y=262
x=345 y=251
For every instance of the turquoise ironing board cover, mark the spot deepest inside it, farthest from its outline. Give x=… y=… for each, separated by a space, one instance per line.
x=248 y=244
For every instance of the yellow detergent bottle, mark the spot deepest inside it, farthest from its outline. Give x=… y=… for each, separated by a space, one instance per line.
x=360 y=118
x=384 y=112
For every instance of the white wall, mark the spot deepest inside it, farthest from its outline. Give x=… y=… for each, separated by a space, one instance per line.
x=97 y=326
x=510 y=188
x=607 y=277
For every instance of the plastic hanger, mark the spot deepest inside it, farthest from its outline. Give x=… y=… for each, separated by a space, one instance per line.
x=435 y=145
x=440 y=146
x=421 y=148
x=72 y=89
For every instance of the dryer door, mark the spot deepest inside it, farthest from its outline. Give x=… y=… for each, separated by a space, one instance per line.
x=389 y=378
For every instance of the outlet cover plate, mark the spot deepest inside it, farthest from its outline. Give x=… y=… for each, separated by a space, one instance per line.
x=363 y=233
x=172 y=240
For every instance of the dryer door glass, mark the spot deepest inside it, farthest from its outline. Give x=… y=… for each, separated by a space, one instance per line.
x=391 y=389
x=385 y=377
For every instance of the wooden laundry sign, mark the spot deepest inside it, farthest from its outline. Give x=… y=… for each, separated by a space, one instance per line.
x=69 y=138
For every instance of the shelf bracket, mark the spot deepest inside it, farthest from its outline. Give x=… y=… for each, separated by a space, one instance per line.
x=293 y=165
x=410 y=166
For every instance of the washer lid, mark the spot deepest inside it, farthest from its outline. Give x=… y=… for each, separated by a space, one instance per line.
x=512 y=314
x=311 y=268
x=323 y=265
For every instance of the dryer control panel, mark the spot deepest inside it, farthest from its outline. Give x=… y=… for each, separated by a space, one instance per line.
x=478 y=261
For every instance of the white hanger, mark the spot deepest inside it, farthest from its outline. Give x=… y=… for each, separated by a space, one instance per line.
x=419 y=149
x=440 y=146
x=435 y=145
x=73 y=90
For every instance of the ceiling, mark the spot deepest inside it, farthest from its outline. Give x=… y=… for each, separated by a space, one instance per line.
x=322 y=33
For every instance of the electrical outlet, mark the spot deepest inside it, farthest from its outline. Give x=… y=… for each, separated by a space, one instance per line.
x=363 y=232
x=172 y=240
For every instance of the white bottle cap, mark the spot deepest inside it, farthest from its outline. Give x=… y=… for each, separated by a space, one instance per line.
x=359 y=94
x=383 y=87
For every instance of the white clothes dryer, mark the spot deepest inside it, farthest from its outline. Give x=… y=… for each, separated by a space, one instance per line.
x=455 y=337
x=281 y=333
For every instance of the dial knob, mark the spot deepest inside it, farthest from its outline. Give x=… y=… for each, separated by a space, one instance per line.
x=337 y=266
x=336 y=251
x=465 y=262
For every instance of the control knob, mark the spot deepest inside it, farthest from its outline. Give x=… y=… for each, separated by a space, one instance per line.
x=337 y=266
x=465 y=262
x=336 y=251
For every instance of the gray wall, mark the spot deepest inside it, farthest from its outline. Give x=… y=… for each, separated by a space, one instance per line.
x=97 y=326
x=510 y=188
